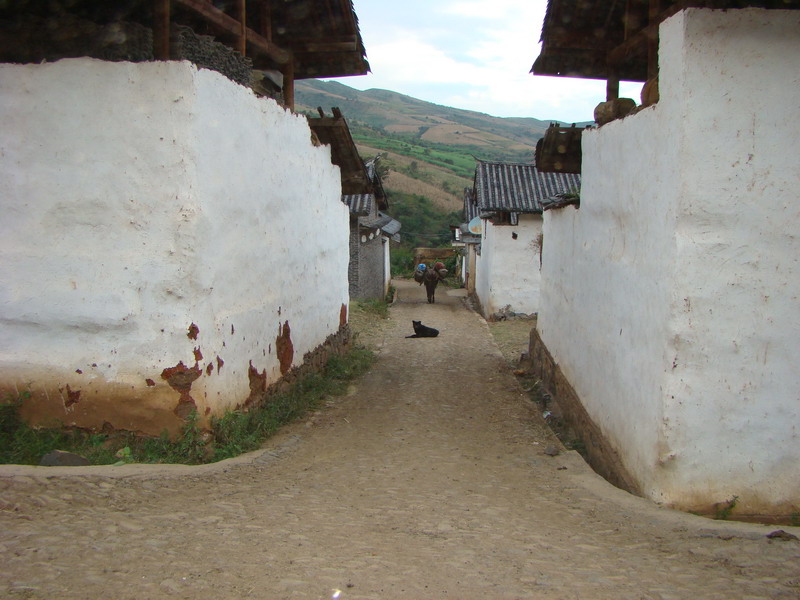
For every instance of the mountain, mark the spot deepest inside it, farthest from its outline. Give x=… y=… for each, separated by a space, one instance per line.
x=429 y=149
x=395 y=113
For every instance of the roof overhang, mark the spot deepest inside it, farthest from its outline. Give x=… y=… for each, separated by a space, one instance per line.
x=311 y=38
x=598 y=39
x=334 y=132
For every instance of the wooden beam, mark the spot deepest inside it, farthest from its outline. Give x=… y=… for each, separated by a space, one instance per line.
x=653 y=10
x=641 y=42
x=348 y=45
x=635 y=45
x=241 y=38
x=161 y=20
x=288 y=84
x=265 y=21
x=258 y=43
x=227 y=24
x=612 y=87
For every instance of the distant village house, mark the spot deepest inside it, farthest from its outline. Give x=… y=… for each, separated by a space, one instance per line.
x=503 y=237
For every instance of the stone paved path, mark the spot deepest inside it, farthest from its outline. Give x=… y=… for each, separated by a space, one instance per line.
x=428 y=481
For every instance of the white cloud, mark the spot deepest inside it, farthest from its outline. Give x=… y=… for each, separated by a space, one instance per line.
x=404 y=57
x=458 y=53
x=501 y=10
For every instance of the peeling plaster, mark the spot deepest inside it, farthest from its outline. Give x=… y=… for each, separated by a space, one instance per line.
x=180 y=378
x=284 y=347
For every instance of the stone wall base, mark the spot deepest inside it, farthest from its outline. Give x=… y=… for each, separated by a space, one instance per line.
x=600 y=455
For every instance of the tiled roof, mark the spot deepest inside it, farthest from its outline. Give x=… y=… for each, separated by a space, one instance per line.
x=518 y=187
x=385 y=223
x=470 y=207
x=360 y=204
x=377 y=185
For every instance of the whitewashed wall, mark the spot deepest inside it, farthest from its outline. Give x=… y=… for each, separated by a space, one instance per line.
x=387 y=264
x=507 y=271
x=140 y=199
x=670 y=298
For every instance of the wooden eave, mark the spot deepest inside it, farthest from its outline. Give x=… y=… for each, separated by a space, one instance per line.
x=256 y=46
x=302 y=38
x=320 y=38
x=334 y=132
x=597 y=39
x=323 y=37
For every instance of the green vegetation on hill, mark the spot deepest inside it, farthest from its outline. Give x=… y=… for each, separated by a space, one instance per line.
x=424 y=225
x=452 y=158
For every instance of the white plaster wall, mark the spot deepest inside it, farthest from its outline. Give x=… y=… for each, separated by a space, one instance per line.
x=141 y=199
x=733 y=399
x=671 y=296
x=483 y=261
x=606 y=277
x=508 y=272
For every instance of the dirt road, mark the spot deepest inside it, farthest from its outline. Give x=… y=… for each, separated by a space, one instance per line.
x=428 y=481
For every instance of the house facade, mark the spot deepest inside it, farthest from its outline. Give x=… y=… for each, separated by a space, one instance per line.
x=507 y=199
x=173 y=243
x=371 y=233
x=669 y=308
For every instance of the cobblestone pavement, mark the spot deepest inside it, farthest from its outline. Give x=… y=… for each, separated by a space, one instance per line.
x=429 y=480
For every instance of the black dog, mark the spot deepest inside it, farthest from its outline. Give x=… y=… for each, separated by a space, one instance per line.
x=421 y=330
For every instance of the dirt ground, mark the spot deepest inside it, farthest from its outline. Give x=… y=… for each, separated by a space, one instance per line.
x=429 y=480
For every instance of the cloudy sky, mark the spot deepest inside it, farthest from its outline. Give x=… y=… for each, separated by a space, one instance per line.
x=472 y=54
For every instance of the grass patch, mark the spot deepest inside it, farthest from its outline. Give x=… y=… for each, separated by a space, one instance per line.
x=723 y=510
x=238 y=432
x=233 y=434
x=377 y=308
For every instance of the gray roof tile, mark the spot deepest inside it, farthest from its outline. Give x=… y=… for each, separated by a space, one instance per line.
x=360 y=204
x=517 y=187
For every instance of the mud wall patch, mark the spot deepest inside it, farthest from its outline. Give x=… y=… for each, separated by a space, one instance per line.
x=284 y=347
x=180 y=378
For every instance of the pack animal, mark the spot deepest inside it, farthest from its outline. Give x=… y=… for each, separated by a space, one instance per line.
x=431 y=280
x=421 y=330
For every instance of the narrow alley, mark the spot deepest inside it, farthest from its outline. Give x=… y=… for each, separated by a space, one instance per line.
x=428 y=480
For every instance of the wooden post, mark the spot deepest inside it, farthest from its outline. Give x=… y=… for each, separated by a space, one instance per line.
x=612 y=87
x=288 y=84
x=161 y=20
x=241 y=16
x=654 y=11
x=266 y=19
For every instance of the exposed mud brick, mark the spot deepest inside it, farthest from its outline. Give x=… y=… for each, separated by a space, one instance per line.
x=73 y=397
x=343 y=315
x=185 y=408
x=284 y=347
x=180 y=378
x=193 y=331
x=258 y=384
